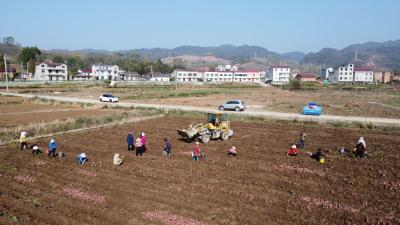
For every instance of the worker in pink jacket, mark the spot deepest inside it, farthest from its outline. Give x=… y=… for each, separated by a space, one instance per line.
x=143 y=139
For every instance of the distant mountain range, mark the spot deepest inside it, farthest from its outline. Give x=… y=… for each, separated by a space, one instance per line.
x=381 y=55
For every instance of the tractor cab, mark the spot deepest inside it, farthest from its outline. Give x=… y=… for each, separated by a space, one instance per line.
x=218 y=121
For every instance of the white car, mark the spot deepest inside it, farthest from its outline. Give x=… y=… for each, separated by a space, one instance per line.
x=236 y=105
x=108 y=98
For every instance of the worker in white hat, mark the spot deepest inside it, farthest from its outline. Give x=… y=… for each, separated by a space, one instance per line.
x=81 y=158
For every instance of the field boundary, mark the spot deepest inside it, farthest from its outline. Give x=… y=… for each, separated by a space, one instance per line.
x=87 y=129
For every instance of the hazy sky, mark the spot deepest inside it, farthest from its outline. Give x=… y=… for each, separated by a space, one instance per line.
x=280 y=25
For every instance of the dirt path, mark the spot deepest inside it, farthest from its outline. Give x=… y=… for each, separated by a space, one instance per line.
x=269 y=114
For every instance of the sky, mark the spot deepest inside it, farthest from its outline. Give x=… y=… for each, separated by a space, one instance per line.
x=277 y=25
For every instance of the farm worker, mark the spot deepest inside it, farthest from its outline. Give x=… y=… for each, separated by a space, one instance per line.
x=130 y=141
x=292 y=151
x=117 y=160
x=362 y=141
x=144 y=141
x=302 y=140
x=168 y=147
x=35 y=149
x=196 y=154
x=52 y=148
x=232 y=151
x=22 y=139
x=317 y=156
x=81 y=158
x=359 y=150
x=139 y=146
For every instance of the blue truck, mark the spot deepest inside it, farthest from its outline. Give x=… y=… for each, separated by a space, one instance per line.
x=312 y=108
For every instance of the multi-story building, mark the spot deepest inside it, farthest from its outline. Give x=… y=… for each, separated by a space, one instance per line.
x=363 y=75
x=219 y=76
x=50 y=71
x=107 y=72
x=278 y=75
x=185 y=76
x=342 y=74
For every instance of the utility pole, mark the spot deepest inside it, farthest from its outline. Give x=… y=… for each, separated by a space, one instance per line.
x=5 y=67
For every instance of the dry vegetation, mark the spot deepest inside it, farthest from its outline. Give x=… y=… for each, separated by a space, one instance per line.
x=336 y=100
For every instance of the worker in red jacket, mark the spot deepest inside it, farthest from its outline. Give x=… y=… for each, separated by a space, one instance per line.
x=292 y=151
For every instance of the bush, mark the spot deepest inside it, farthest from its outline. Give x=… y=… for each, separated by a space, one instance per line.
x=295 y=84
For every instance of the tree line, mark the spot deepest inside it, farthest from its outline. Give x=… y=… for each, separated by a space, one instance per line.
x=29 y=56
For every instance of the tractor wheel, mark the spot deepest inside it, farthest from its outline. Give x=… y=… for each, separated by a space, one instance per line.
x=205 y=138
x=224 y=136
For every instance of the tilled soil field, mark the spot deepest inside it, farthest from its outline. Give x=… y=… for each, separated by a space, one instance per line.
x=260 y=186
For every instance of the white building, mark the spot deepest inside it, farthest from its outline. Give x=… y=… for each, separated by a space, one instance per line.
x=223 y=68
x=234 y=76
x=107 y=72
x=185 y=76
x=278 y=74
x=49 y=71
x=342 y=74
x=161 y=78
x=84 y=74
x=363 y=75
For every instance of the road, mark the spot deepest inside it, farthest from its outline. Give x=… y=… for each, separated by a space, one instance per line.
x=267 y=114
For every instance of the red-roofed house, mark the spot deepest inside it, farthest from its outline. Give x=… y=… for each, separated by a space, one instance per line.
x=363 y=75
x=307 y=77
x=10 y=73
x=84 y=74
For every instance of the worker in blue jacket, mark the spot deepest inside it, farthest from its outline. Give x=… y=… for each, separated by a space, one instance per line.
x=52 y=148
x=130 y=141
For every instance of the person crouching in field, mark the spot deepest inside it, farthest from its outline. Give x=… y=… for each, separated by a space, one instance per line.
x=168 y=147
x=197 y=154
x=359 y=150
x=117 y=160
x=317 y=155
x=22 y=140
x=81 y=158
x=52 y=148
x=130 y=140
x=232 y=152
x=35 y=149
x=292 y=151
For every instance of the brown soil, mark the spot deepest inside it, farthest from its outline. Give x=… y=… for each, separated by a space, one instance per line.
x=15 y=120
x=260 y=186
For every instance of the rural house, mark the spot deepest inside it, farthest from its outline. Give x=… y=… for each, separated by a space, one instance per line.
x=278 y=74
x=49 y=71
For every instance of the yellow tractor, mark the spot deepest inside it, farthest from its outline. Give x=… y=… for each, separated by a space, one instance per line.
x=217 y=126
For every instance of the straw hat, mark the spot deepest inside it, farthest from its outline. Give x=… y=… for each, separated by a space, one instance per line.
x=83 y=155
x=197 y=143
x=233 y=147
x=293 y=146
x=52 y=140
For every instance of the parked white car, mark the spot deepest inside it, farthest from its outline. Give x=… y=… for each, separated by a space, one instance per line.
x=236 y=105
x=108 y=98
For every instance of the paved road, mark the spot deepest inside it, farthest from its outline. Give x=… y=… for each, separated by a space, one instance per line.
x=267 y=114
